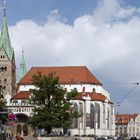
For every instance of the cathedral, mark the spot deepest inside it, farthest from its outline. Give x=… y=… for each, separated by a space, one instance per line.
x=93 y=101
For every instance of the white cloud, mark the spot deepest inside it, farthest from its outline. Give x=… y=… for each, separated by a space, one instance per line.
x=106 y=10
x=93 y=40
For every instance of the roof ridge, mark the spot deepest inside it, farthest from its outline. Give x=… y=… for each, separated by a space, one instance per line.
x=57 y=66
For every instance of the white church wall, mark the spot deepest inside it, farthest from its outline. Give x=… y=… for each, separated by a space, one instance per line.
x=105 y=128
x=79 y=87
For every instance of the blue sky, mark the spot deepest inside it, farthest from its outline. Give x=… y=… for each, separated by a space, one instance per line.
x=38 y=10
x=103 y=35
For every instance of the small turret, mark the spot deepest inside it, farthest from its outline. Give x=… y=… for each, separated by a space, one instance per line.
x=22 y=69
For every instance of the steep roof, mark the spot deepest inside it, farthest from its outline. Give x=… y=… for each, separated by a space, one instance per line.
x=5 y=39
x=94 y=96
x=67 y=75
x=123 y=119
x=22 y=69
x=22 y=95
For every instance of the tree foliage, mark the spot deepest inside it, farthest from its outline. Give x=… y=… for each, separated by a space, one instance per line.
x=3 y=108
x=53 y=103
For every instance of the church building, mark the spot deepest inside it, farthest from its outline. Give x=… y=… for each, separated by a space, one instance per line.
x=93 y=100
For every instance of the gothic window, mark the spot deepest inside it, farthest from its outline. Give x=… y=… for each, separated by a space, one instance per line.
x=25 y=129
x=112 y=112
x=3 y=68
x=108 y=118
x=97 y=114
x=18 y=128
x=75 y=119
x=19 y=109
x=15 y=101
x=81 y=111
x=104 y=113
x=92 y=117
x=87 y=120
x=2 y=56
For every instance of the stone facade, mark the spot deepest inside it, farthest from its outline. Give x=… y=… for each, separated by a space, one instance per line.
x=7 y=61
x=7 y=74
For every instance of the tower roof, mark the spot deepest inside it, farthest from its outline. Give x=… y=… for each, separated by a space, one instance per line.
x=22 y=70
x=5 y=39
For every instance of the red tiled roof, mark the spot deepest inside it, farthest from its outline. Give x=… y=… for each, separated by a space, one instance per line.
x=124 y=118
x=94 y=96
x=67 y=75
x=22 y=95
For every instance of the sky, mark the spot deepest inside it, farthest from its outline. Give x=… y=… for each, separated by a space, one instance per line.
x=103 y=35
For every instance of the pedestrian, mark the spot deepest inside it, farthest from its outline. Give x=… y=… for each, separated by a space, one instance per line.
x=10 y=137
x=18 y=136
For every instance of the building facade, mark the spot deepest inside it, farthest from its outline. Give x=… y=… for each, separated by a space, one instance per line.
x=127 y=125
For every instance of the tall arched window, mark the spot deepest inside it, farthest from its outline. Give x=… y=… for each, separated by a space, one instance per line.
x=18 y=128
x=92 y=117
x=81 y=111
x=97 y=111
x=108 y=118
x=25 y=130
x=75 y=109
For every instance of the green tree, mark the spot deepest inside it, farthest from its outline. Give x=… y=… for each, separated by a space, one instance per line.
x=54 y=107
x=3 y=108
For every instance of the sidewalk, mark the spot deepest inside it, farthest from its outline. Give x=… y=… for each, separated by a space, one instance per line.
x=26 y=138
x=29 y=138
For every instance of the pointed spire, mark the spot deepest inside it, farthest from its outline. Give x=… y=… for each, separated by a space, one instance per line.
x=5 y=39
x=22 y=70
x=4 y=8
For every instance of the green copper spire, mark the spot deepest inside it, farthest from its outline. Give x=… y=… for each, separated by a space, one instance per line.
x=5 y=39
x=22 y=70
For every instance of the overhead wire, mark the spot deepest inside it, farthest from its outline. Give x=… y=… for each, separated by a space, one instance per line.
x=129 y=92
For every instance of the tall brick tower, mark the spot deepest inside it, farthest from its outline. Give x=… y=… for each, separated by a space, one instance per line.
x=7 y=60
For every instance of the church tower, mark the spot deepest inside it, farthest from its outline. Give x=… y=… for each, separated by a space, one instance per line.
x=22 y=69
x=7 y=60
